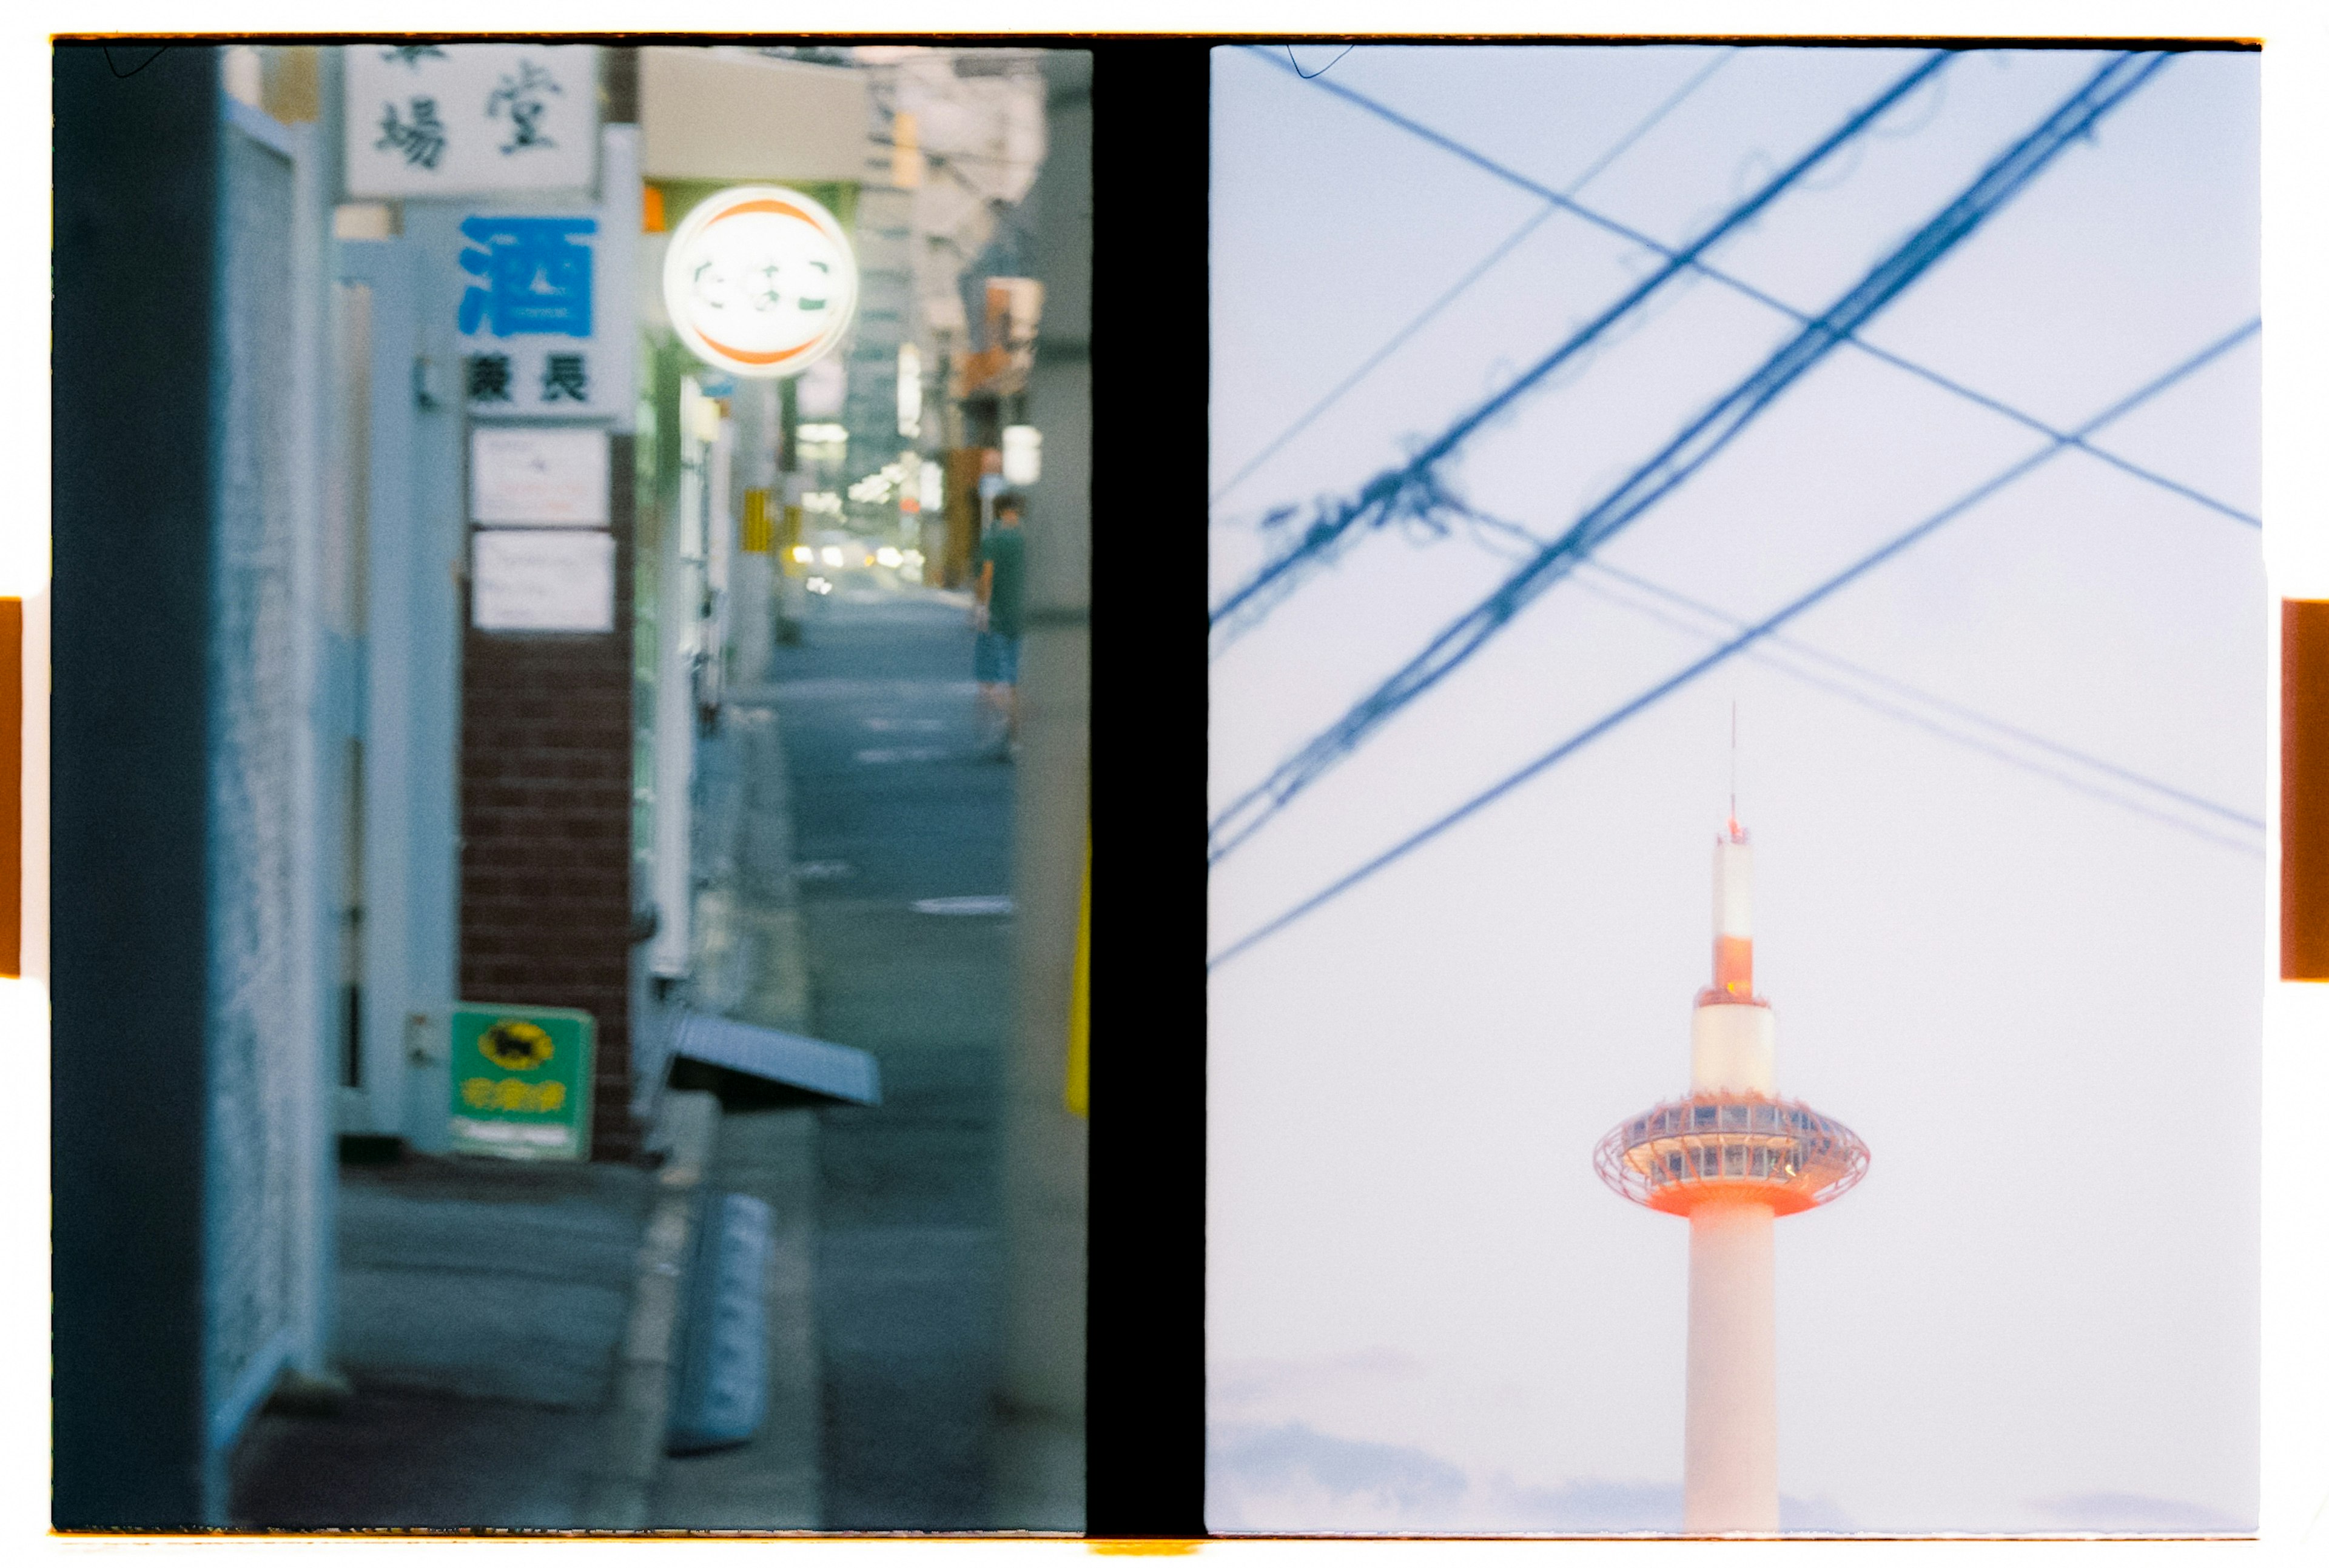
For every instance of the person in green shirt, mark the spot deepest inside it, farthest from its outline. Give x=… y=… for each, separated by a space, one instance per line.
x=1002 y=562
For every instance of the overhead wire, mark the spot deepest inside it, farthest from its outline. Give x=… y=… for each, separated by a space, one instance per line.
x=1314 y=75
x=1744 y=639
x=1974 y=742
x=1481 y=524
x=1790 y=648
x=1801 y=649
x=1484 y=266
x=1698 y=442
x=1412 y=487
x=1898 y=362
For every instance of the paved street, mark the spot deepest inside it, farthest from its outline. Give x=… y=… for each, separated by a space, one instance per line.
x=889 y=806
x=481 y=1309
x=892 y=807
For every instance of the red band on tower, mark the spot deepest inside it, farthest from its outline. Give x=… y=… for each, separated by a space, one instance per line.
x=1734 y=967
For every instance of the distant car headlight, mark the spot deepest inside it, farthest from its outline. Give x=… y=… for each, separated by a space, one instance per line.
x=833 y=555
x=889 y=557
x=803 y=554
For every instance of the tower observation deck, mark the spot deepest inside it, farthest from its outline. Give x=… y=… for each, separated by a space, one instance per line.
x=1731 y=1156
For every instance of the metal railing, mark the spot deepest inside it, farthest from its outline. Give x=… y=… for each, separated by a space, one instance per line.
x=1734 y=1147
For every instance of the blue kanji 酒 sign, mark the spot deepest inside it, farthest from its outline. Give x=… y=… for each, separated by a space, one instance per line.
x=537 y=274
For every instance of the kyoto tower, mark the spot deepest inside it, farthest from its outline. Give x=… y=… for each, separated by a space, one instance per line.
x=1731 y=1156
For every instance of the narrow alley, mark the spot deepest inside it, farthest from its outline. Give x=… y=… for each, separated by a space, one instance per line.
x=903 y=834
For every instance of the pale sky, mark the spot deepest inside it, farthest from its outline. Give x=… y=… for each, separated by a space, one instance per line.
x=2039 y=1007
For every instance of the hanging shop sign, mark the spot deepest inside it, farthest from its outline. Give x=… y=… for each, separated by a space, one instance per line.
x=533 y=298
x=462 y=119
x=760 y=281
x=522 y=1081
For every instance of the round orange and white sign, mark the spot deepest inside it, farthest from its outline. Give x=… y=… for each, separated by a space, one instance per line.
x=760 y=281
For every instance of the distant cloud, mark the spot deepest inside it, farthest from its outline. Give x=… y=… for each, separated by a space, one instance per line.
x=2132 y=1513
x=1817 y=1515
x=1588 y=1507
x=1290 y=1480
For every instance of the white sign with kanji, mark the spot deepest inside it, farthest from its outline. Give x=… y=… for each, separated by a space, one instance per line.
x=530 y=302
x=467 y=119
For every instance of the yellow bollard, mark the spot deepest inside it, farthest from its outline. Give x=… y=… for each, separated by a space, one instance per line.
x=1079 y=1001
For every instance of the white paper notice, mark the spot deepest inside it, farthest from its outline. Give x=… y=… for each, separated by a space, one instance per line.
x=544 y=580
x=540 y=478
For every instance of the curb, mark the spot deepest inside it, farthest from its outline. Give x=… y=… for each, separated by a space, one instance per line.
x=774 y=1481
x=778 y=991
x=751 y=949
x=632 y=1439
x=751 y=960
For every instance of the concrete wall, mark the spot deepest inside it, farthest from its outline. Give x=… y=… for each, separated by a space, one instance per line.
x=261 y=1041
x=186 y=1084
x=1040 y=1483
x=136 y=207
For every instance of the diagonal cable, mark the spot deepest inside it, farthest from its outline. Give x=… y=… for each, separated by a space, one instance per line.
x=1801 y=650
x=1698 y=443
x=1796 y=648
x=1412 y=488
x=1762 y=628
x=1971 y=742
x=1624 y=231
x=1486 y=264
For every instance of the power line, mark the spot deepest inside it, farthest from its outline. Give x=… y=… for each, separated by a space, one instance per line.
x=1697 y=445
x=1468 y=279
x=1413 y=488
x=1592 y=567
x=1794 y=649
x=1762 y=628
x=1314 y=75
x=1902 y=687
x=1923 y=372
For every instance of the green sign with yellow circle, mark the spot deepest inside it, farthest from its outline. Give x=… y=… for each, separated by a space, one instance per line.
x=522 y=1081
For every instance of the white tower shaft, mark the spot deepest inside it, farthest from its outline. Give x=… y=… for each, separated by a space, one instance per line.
x=1731 y=1425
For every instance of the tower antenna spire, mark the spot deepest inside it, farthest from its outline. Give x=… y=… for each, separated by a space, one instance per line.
x=1734 y=764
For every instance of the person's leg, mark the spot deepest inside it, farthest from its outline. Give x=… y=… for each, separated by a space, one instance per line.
x=986 y=667
x=1011 y=694
x=992 y=719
